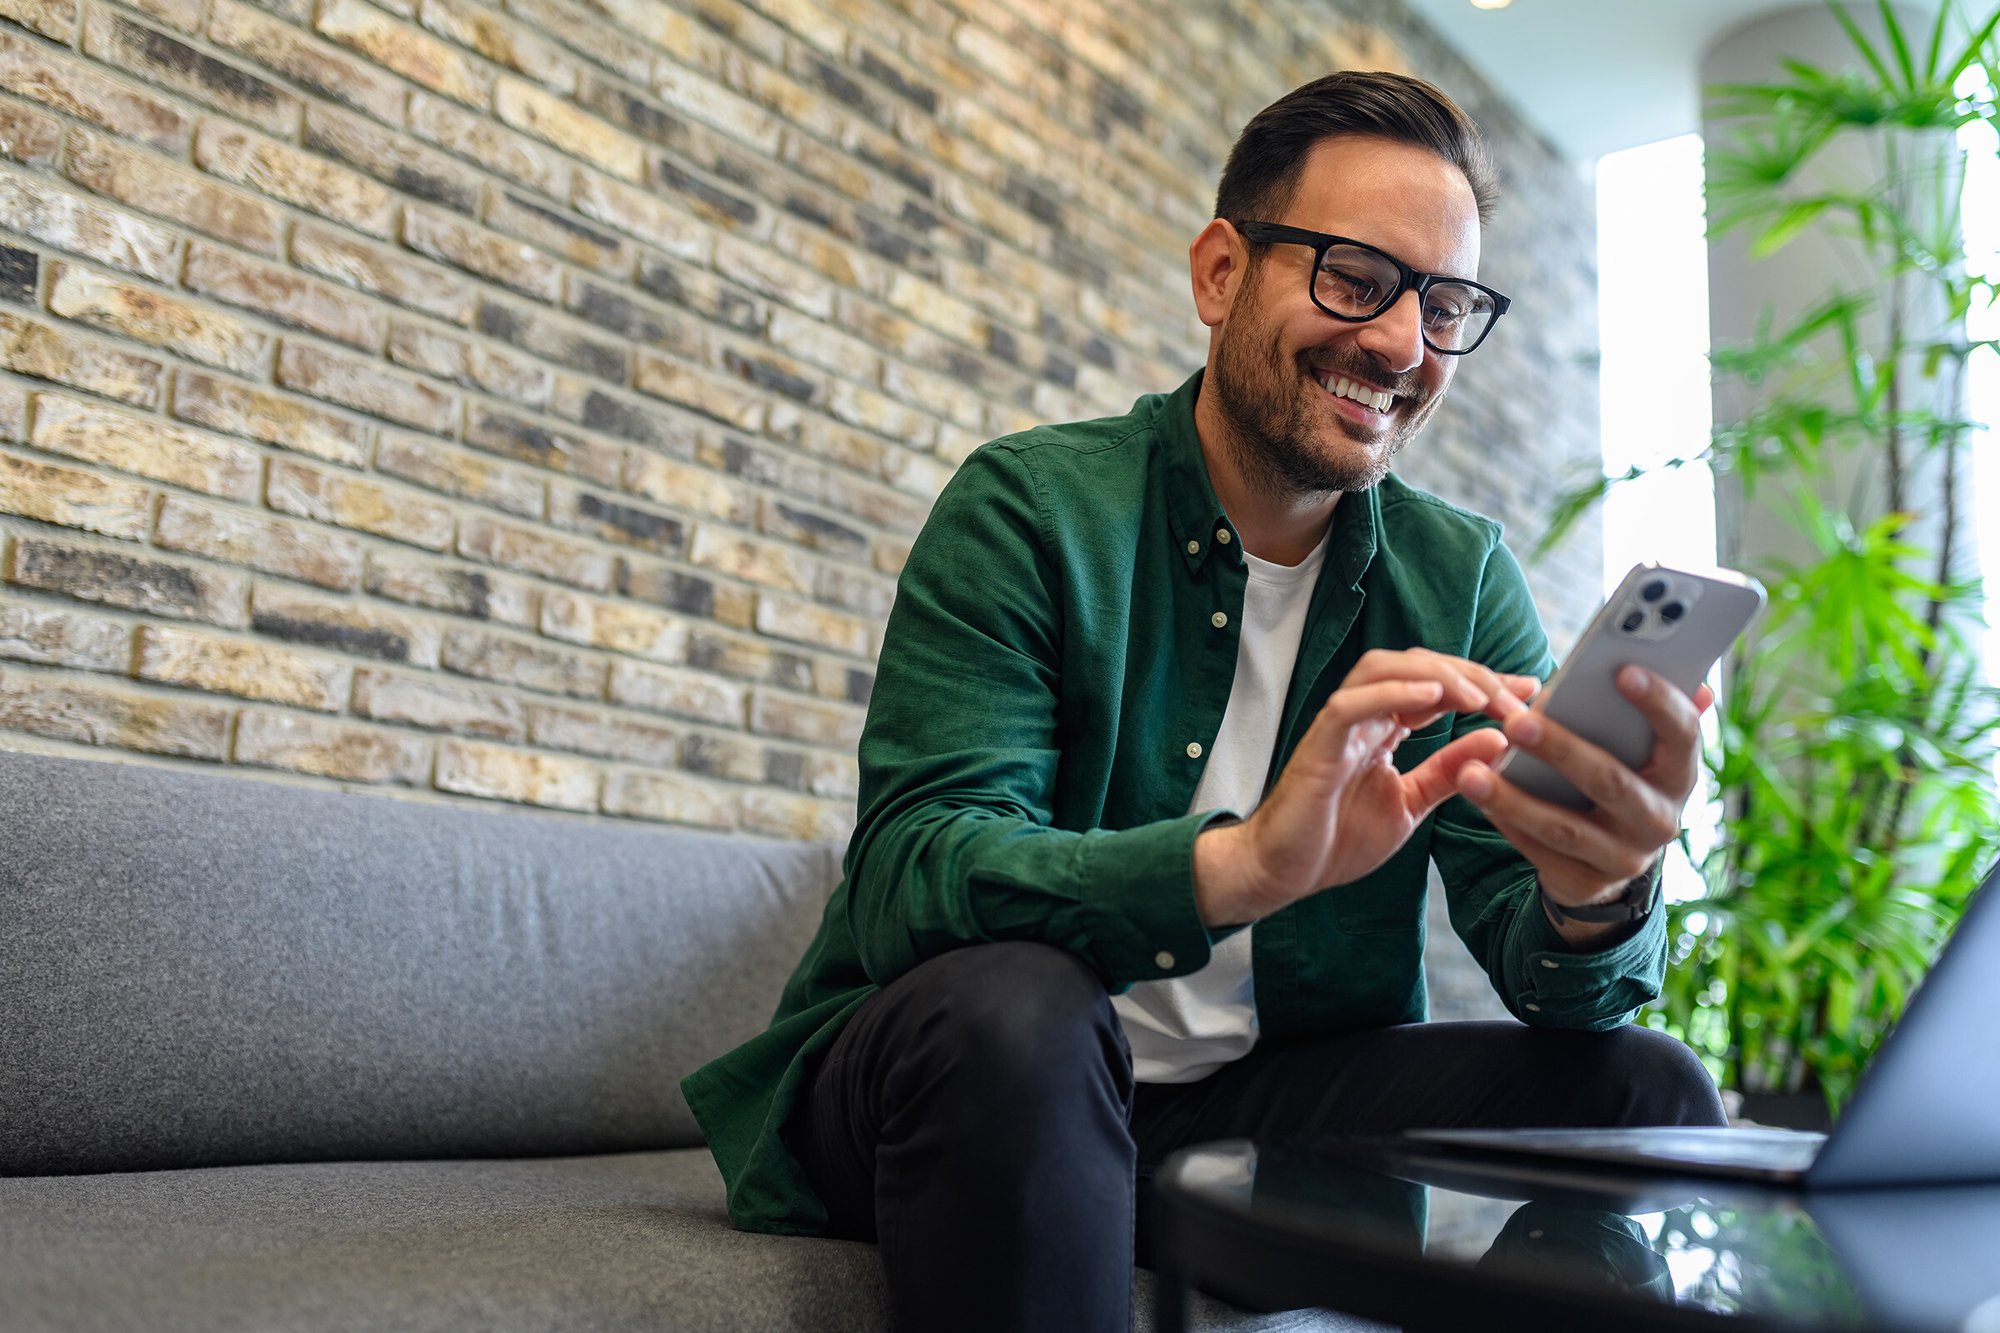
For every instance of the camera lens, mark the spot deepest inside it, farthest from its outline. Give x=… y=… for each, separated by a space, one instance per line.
x=1672 y=611
x=1654 y=591
x=1632 y=621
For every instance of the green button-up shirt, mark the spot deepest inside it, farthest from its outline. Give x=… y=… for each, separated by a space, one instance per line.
x=1052 y=678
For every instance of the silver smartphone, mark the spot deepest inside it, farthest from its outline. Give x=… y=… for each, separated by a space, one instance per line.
x=1673 y=622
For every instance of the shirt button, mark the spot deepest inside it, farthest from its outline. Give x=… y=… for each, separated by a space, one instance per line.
x=1222 y=535
x=1218 y=620
x=1194 y=548
x=1163 y=960
x=1532 y=1008
x=1551 y=964
x=1194 y=749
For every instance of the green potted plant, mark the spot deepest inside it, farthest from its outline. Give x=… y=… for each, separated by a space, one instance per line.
x=1856 y=738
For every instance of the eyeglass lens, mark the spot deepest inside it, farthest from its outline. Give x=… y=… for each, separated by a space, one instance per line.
x=1358 y=283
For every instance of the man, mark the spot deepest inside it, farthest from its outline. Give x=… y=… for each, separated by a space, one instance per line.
x=1077 y=931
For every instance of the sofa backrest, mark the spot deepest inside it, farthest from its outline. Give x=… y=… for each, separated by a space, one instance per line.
x=208 y=968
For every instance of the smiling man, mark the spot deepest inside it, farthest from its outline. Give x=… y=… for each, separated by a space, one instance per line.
x=1173 y=711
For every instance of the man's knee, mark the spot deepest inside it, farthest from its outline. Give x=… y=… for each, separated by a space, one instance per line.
x=1645 y=1077
x=1018 y=1016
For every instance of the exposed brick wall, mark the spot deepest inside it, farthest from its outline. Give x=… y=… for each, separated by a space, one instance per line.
x=534 y=400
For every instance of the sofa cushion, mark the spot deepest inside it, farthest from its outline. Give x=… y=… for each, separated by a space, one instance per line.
x=202 y=967
x=628 y=1241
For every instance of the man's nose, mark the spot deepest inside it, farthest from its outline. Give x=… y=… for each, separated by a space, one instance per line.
x=1396 y=336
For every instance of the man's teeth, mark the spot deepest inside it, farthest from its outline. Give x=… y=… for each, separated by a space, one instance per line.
x=1344 y=387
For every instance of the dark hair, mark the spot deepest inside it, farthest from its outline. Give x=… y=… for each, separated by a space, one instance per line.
x=1263 y=168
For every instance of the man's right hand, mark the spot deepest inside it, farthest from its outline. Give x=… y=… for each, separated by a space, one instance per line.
x=1340 y=808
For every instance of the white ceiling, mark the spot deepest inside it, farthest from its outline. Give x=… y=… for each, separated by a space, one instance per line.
x=1597 y=75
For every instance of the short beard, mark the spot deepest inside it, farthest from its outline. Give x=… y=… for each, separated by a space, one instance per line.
x=1272 y=437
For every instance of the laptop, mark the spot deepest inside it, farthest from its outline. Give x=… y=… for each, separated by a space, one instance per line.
x=1926 y=1111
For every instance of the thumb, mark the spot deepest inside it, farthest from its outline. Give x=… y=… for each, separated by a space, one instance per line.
x=1429 y=783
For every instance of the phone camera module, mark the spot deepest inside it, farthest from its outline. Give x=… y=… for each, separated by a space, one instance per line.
x=1654 y=591
x=1632 y=621
x=1672 y=611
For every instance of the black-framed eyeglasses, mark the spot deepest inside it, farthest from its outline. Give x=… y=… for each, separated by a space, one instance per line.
x=1355 y=282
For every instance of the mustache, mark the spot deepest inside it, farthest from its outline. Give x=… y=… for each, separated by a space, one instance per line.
x=1357 y=366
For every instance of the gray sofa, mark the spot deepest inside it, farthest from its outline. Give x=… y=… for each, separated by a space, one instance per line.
x=285 y=1058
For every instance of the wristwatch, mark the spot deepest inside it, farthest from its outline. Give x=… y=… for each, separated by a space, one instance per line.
x=1635 y=904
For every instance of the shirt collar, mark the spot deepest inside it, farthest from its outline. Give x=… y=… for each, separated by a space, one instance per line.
x=1198 y=518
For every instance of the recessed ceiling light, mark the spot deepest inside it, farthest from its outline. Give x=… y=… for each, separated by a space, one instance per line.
x=1491 y=4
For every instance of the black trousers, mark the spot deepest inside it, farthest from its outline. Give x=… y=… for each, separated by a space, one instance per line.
x=979 y=1120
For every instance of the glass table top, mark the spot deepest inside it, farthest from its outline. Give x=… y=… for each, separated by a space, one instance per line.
x=1878 y=1258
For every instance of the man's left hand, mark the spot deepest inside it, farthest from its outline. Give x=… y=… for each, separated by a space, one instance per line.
x=1588 y=856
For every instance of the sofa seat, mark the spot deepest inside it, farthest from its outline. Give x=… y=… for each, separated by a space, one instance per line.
x=623 y=1241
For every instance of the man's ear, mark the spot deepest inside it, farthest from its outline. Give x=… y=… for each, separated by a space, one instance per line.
x=1217 y=263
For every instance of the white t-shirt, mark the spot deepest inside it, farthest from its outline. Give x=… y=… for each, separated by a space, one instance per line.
x=1185 y=1028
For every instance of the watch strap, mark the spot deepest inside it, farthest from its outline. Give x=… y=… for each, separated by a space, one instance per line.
x=1634 y=904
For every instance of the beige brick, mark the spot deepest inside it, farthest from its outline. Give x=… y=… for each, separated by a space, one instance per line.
x=492 y=146
x=698 y=390
x=748 y=657
x=891 y=555
x=670 y=798
x=58 y=636
x=914 y=472
x=534 y=552
x=783 y=815
x=243 y=667
x=438 y=705
x=618 y=626
x=704 y=293
x=344 y=625
x=410 y=52
x=282 y=295
x=477 y=365
x=586 y=31
x=690 y=487
x=360 y=384
x=158 y=187
x=146 y=446
x=160 y=318
x=939 y=395
x=373 y=268
x=837 y=679
x=40 y=208
x=803 y=622
x=13 y=411
x=54 y=352
x=660 y=584
x=186 y=15
x=882 y=415
x=613 y=736
x=773 y=713
x=825 y=344
x=751 y=559
x=72 y=498
x=303 y=743
x=834 y=776
x=764 y=270
x=75 y=87
x=876 y=505
x=116 y=40
x=523 y=662
x=856 y=590
x=500 y=40
x=405 y=576
x=315 y=65
x=725 y=755
x=774 y=469
x=394 y=159
x=556 y=230
x=558 y=121
x=452 y=471
x=28 y=136
x=690 y=694
x=531 y=442
x=353 y=502
x=639 y=213
x=500 y=774
x=297 y=177
x=841 y=264
x=262 y=414
x=712 y=104
x=51 y=18
x=823 y=437
x=471 y=247
x=91 y=714
x=273 y=545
